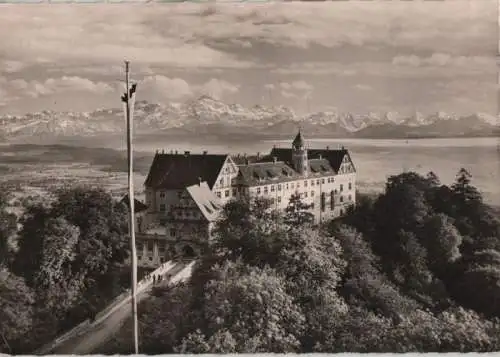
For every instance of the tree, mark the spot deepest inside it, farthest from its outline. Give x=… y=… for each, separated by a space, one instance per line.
x=250 y=306
x=442 y=240
x=16 y=313
x=58 y=287
x=69 y=252
x=297 y=212
x=463 y=190
x=364 y=285
x=8 y=226
x=479 y=285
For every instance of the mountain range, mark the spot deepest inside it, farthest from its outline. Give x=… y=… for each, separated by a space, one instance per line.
x=206 y=116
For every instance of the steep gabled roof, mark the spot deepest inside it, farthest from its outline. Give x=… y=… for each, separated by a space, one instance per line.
x=206 y=200
x=334 y=157
x=262 y=173
x=138 y=205
x=177 y=171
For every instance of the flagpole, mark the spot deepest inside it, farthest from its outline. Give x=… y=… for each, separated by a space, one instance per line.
x=130 y=94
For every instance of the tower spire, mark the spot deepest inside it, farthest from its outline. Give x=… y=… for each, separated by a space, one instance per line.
x=299 y=154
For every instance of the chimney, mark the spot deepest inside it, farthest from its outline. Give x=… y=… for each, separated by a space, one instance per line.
x=175 y=152
x=320 y=156
x=343 y=148
x=275 y=159
x=205 y=152
x=327 y=148
x=258 y=155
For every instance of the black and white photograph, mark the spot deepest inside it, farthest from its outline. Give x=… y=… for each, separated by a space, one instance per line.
x=249 y=177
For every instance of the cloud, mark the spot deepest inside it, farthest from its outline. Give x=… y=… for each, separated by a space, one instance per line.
x=296 y=85
x=9 y=66
x=438 y=65
x=161 y=88
x=295 y=89
x=363 y=87
x=182 y=35
x=444 y=59
x=218 y=88
x=63 y=84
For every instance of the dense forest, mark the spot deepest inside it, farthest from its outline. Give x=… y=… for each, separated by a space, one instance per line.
x=61 y=266
x=413 y=269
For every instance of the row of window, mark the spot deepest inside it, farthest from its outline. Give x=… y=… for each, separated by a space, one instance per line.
x=293 y=186
x=227 y=193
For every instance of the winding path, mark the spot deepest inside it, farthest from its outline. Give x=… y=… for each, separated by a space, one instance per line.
x=105 y=327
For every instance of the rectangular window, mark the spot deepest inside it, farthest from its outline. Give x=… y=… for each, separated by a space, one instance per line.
x=279 y=187
x=227 y=193
x=305 y=194
x=279 y=199
x=287 y=186
x=305 y=183
x=350 y=186
x=349 y=198
x=317 y=182
x=272 y=201
x=272 y=188
x=341 y=188
x=161 y=247
x=221 y=181
x=265 y=189
x=298 y=184
x=258 y=190
x=341 y=198
x=312 y=182
x=172 y=232
x=162 y=194
x=150 y=246
x=139 y=246
x=162 y=207
x=293 y=186
x=218 y=194
x=162 y=259
x=312 y=193
x=234 y=192
x=322 y=180
x=139 y=257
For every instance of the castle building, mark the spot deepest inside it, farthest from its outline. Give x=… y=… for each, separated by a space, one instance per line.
x=185 y=192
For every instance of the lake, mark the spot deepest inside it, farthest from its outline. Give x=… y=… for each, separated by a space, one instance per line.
x=375 y=160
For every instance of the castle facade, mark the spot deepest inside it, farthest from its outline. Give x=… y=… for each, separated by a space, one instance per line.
x=185 y=192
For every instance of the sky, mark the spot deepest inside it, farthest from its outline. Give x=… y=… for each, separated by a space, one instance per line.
x=358 y=57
